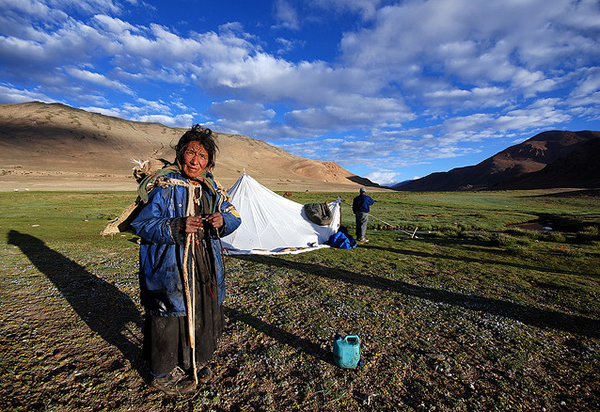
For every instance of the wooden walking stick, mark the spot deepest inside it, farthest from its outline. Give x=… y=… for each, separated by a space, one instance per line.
x=189 y=301
x=190 y=241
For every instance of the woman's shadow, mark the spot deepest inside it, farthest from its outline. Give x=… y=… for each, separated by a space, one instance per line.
x=103 y=307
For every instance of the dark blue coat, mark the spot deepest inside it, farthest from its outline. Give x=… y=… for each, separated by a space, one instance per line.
x=361 y=203
x=161 y=257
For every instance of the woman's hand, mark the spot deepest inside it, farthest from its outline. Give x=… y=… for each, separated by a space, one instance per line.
x=194 y=223
x=215 y=220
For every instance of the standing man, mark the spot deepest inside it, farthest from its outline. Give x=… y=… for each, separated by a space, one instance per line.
x=360 y=207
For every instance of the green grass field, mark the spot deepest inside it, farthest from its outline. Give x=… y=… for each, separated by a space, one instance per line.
x=475 y=313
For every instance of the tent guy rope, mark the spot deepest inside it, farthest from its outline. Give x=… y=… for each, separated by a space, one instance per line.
x=412 y=235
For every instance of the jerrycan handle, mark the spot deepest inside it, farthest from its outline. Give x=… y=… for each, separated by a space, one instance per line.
x=352 y=340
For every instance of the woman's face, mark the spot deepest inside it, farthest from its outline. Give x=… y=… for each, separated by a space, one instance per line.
x=195 y=159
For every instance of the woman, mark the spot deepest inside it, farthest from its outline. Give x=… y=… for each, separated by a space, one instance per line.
x=181 y=268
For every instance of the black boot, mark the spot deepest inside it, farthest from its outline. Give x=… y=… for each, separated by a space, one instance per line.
x=203 y=373
x=174 y=383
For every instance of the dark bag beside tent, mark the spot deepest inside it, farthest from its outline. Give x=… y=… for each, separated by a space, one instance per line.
x=318 y=213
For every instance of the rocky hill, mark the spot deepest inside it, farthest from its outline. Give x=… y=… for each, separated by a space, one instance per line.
x=578 y=169
x=53 y=146
x=548 y=160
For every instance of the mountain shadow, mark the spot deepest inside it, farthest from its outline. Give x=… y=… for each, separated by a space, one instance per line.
x=362 y=181
x=102 y=306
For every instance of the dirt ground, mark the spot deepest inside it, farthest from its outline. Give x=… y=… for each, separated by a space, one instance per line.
x=71 y=341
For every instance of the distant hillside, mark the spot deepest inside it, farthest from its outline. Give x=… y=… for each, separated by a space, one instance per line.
x=578 y=169
x=547 y=160
x=48 y=144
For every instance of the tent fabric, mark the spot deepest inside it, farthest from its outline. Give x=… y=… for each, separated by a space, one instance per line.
x=272 y=224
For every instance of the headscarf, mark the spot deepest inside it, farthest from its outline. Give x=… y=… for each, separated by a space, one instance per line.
x=147 y=183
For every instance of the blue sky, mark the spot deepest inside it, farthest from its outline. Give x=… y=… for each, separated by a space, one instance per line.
x=390 y=90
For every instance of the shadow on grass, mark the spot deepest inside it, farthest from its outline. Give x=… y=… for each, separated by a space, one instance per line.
x=102 y=306
x=490 y=250
x=280 y=335
x=541 y=318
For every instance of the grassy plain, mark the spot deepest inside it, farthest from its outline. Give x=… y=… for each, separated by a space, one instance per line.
x=475 y=313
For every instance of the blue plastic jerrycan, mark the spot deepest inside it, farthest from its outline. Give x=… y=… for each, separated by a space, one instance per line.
x=346 y=351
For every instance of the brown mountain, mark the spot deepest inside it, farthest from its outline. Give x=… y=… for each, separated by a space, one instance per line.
x=578 y=169
x=548 y=160
x=53 y=146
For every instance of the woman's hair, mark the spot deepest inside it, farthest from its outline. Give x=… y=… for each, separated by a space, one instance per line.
x=204 y=137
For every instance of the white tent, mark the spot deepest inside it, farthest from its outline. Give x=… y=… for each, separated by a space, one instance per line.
x=272 y=224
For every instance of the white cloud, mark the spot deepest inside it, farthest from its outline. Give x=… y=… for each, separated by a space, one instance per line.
x=495 y=42
x=114 y=112
x=286 y=45
x=383 y=177
x=114 y=25
x=349 y=111
x=145 y=106
x=183 y=120
x=240 y=110
x=89 y=6
x=589 y=82
x=530 y=118
x=9 y=94
x=446 y=96
x=13 y=10
x=98 y=79
x=286 y=15
x=14 y=49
